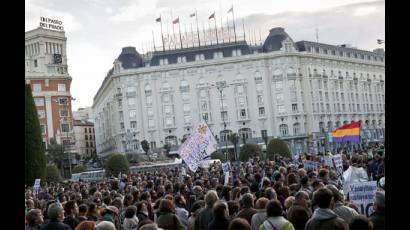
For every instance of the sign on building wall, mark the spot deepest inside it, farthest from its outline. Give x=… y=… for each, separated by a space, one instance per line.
x=53 y=24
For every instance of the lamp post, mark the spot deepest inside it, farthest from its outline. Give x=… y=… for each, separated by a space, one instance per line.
x=220 y=86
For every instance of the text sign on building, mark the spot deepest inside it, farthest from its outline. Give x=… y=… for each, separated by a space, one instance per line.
x=53 y=24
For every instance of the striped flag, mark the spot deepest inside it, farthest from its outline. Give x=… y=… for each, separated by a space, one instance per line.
x=212 y=16
x=348 y=132
x=192 y=15
x=176 y=21
x=158 y=19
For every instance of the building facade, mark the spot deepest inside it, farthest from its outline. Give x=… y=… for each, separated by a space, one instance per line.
x=46 y=71
x=293 y=90
x=84 y=139
x=84 y=114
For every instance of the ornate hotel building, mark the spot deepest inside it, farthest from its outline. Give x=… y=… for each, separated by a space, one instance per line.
x=297 y=91
x=46 y=71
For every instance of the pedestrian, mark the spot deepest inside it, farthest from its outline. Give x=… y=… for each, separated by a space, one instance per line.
x=275 y=220
x=180 y=210
x=167 y=218
x=131 y=220
x=86 y=225
x=378 y=216
x=324 y=217
x=34 y=219
x=220 y=219
x=105 y=225
x=55 y=213
x=92 y=212
x=343 y=211
x=360 y=222
x=239 y=224
x=206 y=215
x=82 y=212
x=259 y=217
x=195 y=209
x=142 y=211
x=247 y=210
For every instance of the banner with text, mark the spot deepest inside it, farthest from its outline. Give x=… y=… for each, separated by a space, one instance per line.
x=200 y=144
x=362 y=194
x=338 y=162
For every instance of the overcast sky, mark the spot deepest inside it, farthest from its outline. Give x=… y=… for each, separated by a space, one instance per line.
x=96 y=30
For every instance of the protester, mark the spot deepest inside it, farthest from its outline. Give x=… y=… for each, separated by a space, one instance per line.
x=378 y=216
x=55 y=213
x=34 y=219
x=82 y=212
x=220 y=216
x=259 y=217
x=105 y=225
x=275 y=220
x=71 y=212
x=167 y=218
x=131 y=220
x=247 y=210
x=86 y=225
x=360 y=222
x=206 y=215
x=239 y=224
x=324 y=217
x=343 y=211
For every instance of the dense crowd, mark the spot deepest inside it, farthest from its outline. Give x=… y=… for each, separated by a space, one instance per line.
x=260 y=195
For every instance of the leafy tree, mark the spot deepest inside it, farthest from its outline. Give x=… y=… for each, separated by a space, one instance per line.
x=234 y=138
x=167 y=147
x=278 y=146
x=218 y=155
x=249 y=150
x=34 y=156
x=53 y=174
x=116 y=164
x=145 y=146
x=79 y=169
x=55 y=153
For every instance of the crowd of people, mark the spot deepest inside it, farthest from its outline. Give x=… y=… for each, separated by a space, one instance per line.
x=259 y=195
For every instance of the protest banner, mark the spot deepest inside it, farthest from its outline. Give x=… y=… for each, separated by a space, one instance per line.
x=310 y=165
x=353 y=175
x=338 y=164
x=362 y=194
x=200 y=144
x=328 y=162
x=226 y=170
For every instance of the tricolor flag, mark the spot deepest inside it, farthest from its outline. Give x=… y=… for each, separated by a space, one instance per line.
x=192 y=15
x=230 y=10
x=176 y=21
x=158 y=19
x=348 y=132
x=212 y=16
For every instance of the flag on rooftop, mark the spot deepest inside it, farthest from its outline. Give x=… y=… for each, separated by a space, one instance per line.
x=192 y=15
x=230 y=10
x=158 y=19
x=212 y=16
x=176 y=21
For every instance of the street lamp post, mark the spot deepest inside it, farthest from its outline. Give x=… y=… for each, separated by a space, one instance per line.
x=220 y=86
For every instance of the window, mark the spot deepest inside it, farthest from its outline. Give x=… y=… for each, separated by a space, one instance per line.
x=63 y=101
x=326 y=96
x=205 y=116
x=149 y=100
x=65 y=128
x=43 y=129
x=260 y=99
x=343 y=108
x=202 y=93
x=131 y=101
x=36 y=87
x=35 y=63
x=264 y=133
x=150 y=112
x=261 y=111
x=131 y=89
x=187 y=119
x=187 y=108
x=295 y=108
x=41 y=113
x=121 y=114
x=241 y=101
x=185 y=96
x=151 y=123
x=167 y=109
x=258 y=76
x=243 y=113
x=224 y=115
x=85 y=130
x=63 y=113
x=86 y=137
x=358 y=107
x=239 y=89
x=61 y=88
x=169 y=121
x=296 y=129
x=39 y=101
x=279 y=98
x=327 y=107
x=259 y=87
x=283 y=129
x=182 y=59
x=148 y=89
x=281 y=109
x=133 y=114
x=278 y=85
x=292 y=84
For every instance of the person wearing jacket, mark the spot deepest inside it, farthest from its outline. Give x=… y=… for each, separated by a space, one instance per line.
x=259 y=217
x=247 y=211
x=220 y=220
x=34 y=219
x=206 y=215
x=343 y=211
x=324 y=217
x=275 y=220
x=378 y=217
x=167 y=218
x=55 y=213
x=130 y=220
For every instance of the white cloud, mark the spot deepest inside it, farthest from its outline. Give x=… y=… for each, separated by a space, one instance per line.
x=108 y=10
x=134 y=10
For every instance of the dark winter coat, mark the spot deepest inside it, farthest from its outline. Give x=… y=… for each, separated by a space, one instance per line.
x=55 y=224
x=326 y=219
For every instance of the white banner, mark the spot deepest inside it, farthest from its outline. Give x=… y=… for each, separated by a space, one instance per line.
x=353 y=175
x=328 y=161
x=200 y=144
x=362 y=194
x=36 y=185
x=310 y=165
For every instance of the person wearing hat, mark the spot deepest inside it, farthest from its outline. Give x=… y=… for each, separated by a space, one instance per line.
x=378 y=217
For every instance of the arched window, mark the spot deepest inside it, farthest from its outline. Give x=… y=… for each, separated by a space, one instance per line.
x=283 y=129
x=172 y=140
x=290 y=72
x=245 y=133
x=277 y=73
x=296 y=129
x=258 y=76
